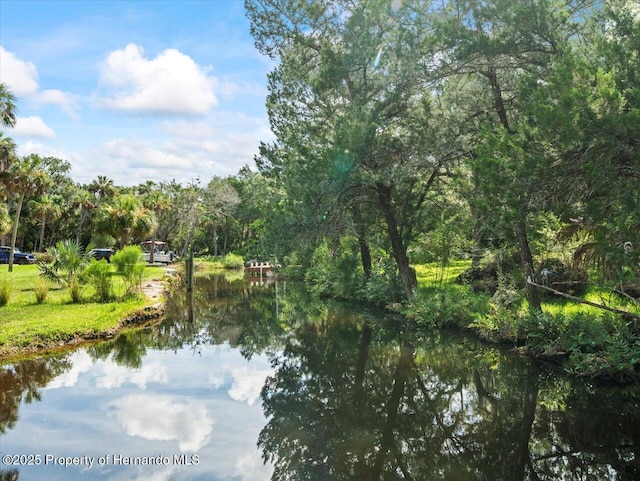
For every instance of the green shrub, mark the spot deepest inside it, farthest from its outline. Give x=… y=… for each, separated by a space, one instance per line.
x=5 y=292
x=75 y=290
x=319 y=276
x=45 y=257
x=451 y=307
x=336 y=271
x=384 y=285
x=601 y=346
x=130 y=265
x=233 y=261
x=98 y=275
x=41 y=291
x=70 y=261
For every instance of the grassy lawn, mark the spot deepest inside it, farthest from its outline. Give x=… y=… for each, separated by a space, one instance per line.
x=432 y=277
x=24 y=322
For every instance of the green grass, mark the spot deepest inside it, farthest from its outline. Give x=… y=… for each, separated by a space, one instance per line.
x=587 y=340
x=24 y=322
x=433 y=277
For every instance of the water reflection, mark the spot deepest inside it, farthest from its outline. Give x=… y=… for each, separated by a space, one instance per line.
x=327 y=391
x=346 y=404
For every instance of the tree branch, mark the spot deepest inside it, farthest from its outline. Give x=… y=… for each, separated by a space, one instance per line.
x=583 y=301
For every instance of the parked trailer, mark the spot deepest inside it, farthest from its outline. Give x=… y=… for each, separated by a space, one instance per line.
x=161 y=252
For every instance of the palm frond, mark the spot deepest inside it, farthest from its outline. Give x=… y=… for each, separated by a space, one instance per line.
x=576 y=230
x=49 y=273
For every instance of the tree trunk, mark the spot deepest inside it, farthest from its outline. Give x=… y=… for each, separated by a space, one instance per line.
x=83 y=215
x=215 y=241
x=407 y=273
x=393 y=405
x=41 y=242
x=14 y=231
x=533 y=295
x=365 y=256
x=152 y=254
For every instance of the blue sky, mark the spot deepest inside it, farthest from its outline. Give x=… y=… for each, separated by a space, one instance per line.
x=135 y=90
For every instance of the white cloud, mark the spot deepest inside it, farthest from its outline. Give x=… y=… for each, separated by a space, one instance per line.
x=216 y=381
x=80 y=362
x=116 y=376
x=165 y=418
x=141 y=154
x=247 y=383
x=251 y=468
x=30 y=147
x=21 y=77
x=170 y=83
x=33 y=127
x=58 y=97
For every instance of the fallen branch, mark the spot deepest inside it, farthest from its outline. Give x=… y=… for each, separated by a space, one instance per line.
x=583 y=301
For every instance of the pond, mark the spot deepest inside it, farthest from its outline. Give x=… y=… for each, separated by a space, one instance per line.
x=265 y=383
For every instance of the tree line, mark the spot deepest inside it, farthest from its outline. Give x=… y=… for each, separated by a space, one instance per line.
x=406 y=131
x=461 y=125
x=41 y=205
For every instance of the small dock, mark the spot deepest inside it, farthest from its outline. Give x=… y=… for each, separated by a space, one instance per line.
x=259 y=266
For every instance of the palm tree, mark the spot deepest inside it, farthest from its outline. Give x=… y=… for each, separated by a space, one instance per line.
x=82 y=199
x=25 y=177
x=7 y=152
x=125 y=217
x=69 y=262
x=7 y=107
x=7 y=119
x=5 y=220
x=47 y=209
x=102 y=187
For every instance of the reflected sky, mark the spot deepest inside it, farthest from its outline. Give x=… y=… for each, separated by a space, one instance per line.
x=169 y=406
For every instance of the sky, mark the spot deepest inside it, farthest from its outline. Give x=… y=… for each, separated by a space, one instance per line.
x=135 y=90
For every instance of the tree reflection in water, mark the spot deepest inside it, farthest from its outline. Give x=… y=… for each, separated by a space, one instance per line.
x=355 y=397
x=22 y=382
x=436 y=409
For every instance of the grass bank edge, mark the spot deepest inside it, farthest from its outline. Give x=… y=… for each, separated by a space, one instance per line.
x=28 y=328
x=584 y=340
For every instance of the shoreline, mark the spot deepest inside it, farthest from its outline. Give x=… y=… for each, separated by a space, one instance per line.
x=138 y=318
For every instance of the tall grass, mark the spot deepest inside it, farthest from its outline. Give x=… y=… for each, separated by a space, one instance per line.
x=5 y=291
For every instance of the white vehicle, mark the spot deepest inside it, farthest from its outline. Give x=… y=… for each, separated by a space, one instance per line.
x=161 y=252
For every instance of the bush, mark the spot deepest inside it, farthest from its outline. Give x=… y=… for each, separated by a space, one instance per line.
x=41 y=291
x=447 y=307
x=384 y=286
x=98 y=275
x=336 y=272
x=233 y=261
x=70 y=261
x=45 y=257
x=130 y=265
x=594 y=346
x=5 y=292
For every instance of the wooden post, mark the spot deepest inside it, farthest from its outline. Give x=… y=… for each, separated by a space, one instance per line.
x=189 y=274
x=189 y=271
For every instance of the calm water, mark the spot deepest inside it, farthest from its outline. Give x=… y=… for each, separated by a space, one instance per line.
x=320 y=391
